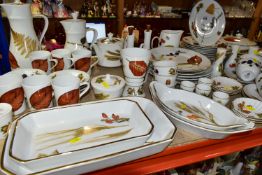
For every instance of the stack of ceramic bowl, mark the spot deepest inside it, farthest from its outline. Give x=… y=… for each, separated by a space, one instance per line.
x=90 y=136
x=165 y=72
x=248 y=108
x=191 y=65
x=208 y=51
x=135 y=65
x=201 y=116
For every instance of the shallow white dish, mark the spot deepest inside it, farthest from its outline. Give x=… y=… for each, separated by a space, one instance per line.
x=163 y=134
x=228 y=85
x=250 y=90
x=122 y=128
x=196 y=109
x=181 y=56
x=204 y=132
x=233 y=40
x=207 y=22
x=249 y=108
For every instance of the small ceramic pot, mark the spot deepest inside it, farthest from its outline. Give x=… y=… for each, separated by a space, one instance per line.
x=5 y=118
x=107 y=86
x=165 y=67
x=169 y=81
x=220 y=97
x=206 y=81
x=188 y=86
x=203 y=89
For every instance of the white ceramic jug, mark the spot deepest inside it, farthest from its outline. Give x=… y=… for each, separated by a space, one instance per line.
x=230 y=66
x=23 y=37
x=168 y=38
x=76 y=30
x=217 y=68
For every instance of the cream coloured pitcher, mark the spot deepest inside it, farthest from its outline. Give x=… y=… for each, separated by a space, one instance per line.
x=168 y=38
x=76 y=30
x=23 y=37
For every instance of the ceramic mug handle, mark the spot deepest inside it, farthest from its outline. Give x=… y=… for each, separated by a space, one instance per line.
x=44 y=29
x=85 y=89
x=152 y=42
x=142 y=45
x=94 y=37
x=55 y=61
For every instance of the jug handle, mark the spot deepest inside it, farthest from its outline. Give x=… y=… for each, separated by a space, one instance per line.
x=152 y=42
x=95 y=36
x=44 y=29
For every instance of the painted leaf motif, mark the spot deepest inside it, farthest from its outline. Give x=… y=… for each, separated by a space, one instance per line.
x=13 y=61
x=211 y=9
x=138 y=68
x=101 y=96
x=71 y=97
x=14 y=97
x=25 y=45
x=199 y=7
x=42 y=98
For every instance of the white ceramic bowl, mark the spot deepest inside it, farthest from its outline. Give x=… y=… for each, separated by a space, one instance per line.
x=169 y=81
x=107 y=86
x=203 y=89
x=220 y=97
x=165 y=67
x=188 y=86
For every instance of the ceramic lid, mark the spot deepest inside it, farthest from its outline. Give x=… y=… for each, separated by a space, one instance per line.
x=108 y=82
x=109 y=40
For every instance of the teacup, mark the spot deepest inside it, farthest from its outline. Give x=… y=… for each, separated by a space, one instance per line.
x=206 y=81
x=187 y=86
x=6 y=115
x=135 y=62
x=248 y=68
x=63 y=59
x=11 y=92
x=165 y=67
x=42 y=60
x=169 y=80
x=38 y=91
x=220 y=97
x=203 y=89
x=66 y=89
x=259 y=84
x=82 y=59
x=168 y=38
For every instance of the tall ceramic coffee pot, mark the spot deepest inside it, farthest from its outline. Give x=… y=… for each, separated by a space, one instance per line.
x=76 y=30
x=23 y=37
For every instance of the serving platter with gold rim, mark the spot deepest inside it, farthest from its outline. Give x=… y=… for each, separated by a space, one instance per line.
x=202 y=112
x=161 y=137
x=107 y=129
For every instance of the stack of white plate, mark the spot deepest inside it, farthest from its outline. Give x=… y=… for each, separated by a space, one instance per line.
x=201 y=66
x=248 y=108
x=208 y=51
x=85 y=137
x=198 y=114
